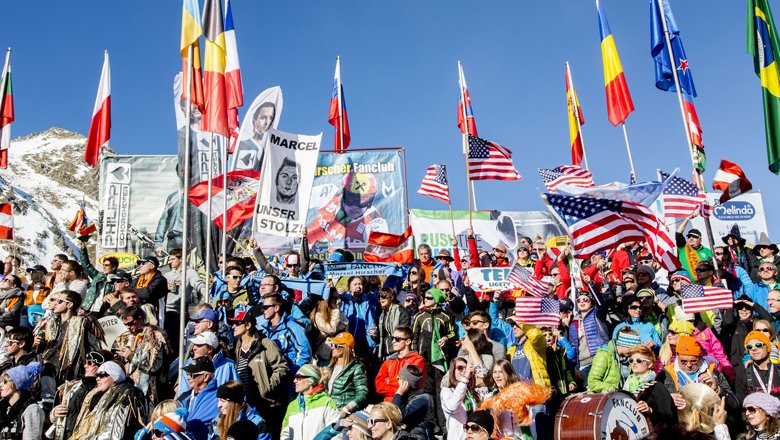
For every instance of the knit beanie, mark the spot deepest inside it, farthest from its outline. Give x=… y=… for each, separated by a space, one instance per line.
x=769 y=403
x=411 y=378
x=681 y=274
x=649 y=270
x=438 y=295
x=761 y=336
x=482 y=418
x=23 y=375
x=231 y=393
x=360 y=422
x=171 y=422
x=311 y=372
x=627 y=340
x=689 y=346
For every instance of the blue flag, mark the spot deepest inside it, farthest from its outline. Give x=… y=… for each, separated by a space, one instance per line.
x=664 y=78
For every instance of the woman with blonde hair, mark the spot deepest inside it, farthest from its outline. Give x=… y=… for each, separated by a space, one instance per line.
x=326 y=321
x=20 y=415
x=233 y=408
x=164 y=407
x=346 y=378
x=503 y=374
x=385 y=422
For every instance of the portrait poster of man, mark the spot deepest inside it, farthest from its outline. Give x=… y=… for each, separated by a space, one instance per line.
x=262 y=115
x=283 y=200
x=140 y=204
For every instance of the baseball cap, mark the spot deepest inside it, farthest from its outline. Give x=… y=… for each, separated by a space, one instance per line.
x=344 y=338
x=120 y=275
x=37 y=268
x=209 y=314
x=694 y=233
x=149 y=259
x=242 y=318
x=200 y=365
x=205 y=338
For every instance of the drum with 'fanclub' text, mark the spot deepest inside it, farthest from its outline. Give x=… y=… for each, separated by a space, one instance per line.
x=610 y=416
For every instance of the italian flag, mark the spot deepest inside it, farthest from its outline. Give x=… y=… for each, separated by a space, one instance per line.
x=100 y=127
x=6 y=111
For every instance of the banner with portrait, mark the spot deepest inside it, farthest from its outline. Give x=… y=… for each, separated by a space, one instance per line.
x=264 y=114
x=285 y=187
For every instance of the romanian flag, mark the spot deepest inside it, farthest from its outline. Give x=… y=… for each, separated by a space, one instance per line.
x=470 y=124
x=191 y=32
x=215 y=108
x=576 y=119
x=337 y=115
x=233 y=87
x=6 y=111
x=619 y=103
x=763 y=44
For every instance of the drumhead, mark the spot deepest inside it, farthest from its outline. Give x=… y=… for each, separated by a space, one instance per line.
x=620 y=420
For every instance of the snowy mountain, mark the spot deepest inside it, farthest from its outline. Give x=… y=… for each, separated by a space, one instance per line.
x=46 y=180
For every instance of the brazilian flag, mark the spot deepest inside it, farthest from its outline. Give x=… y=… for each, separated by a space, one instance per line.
x=763 y=44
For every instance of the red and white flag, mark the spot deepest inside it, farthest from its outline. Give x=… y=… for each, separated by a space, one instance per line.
x=731 y=180
x=697 y=299
x=383 y=247
x=233 y=88
x=6 y=221
x=241 y=193
x=100 y=127
x=6 y=111
x=434 y=183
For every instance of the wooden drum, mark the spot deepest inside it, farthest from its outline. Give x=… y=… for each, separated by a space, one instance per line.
x=610 y=416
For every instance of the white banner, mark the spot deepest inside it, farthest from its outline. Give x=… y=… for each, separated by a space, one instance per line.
x=283 y=200
x=264 y=114
x=745 y=211
x=484 y=279
x=112 y=327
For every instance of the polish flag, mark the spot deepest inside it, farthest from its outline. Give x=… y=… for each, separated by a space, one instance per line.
x=731 y=180
x=390 y=248
x=6 y=221
x=100 y=127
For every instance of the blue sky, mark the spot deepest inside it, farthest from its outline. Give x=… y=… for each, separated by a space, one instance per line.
x=400 y=78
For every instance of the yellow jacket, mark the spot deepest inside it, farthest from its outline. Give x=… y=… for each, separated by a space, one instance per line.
x=535 y=350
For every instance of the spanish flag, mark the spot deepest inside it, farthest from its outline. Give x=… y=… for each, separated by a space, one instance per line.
x=576 y=119
x=215 y=109
x=619 y=103
x=763 y=44
x=191 y=32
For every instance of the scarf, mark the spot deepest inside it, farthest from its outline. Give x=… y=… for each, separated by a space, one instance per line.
x=144 y=280
x=437 y=354
x=692 y=258
x=470 y=402
x=684 y=378
x=636 y=383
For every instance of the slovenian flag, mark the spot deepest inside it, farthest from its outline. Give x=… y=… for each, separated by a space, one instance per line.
x=337 y=116
x=619 y=103
x=464 y=107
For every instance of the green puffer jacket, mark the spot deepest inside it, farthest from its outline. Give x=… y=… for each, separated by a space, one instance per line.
x=604 y=374
x=349 y=389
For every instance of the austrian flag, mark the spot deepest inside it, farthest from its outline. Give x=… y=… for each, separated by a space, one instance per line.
x=241 y=193
x=6 y=221
x=390 y=248
x=100 y=127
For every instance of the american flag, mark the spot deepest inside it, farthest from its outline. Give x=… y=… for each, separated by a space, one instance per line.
x=525 y=279
x=490 y=161
x=566 y=174
x=601 y=224
x=681 y=198
x=541 y=312
x=697 y=299
x=434 y=183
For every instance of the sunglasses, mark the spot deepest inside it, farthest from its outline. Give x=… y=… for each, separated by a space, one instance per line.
x=414 y=272
x=637 y=361
x=460 y=368
x=702 y=270
x=299 y=377
x=634 y=307
x=102 y=375
x=672 y=332
x=472 y=427
x=757 y=345
x=767 y=269
x=11 y=342
x=749 y=410
x=555 y=274
x=158 y=433
x=194 y=375
x=60 y=301
x=384 y=297
x=446 y=290
x=583 y=300
x=398 y=338
x=718 y=254
x=268 y=306
x=234 y=277
x=429 y=298
x=373 y=421
x=763 y=330
x=409 y=300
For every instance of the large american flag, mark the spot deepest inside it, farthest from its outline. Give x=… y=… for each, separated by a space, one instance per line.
x=541 y=312
x=681 y=198
x=434 y=183
x=525 y=279
x=601 y=224
x=697 y=299
x=490 y=161
x=566 y=174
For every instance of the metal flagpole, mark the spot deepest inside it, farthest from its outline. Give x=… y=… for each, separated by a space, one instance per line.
x=209 y=222
x=697 y=177
x=469 y=182
x=575 y=109
x=224 y=199
x=185 y=215
x=452 y=219
x=340 y=148
x=630 y=158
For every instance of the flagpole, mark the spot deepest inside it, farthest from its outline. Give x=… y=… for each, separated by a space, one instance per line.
x=340 y=148
x=185 y=207
x=469 y=182
x=630 y=158
x=224 y=198
x=452 y=218
x=209 y=222
x=575 y=109
x=696 y=176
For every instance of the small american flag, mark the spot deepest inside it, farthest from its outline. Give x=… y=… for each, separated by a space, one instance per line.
x=696 y=298
x=566 y=174
x=490 y=161
x=525 y=280
x=541 y=312
x=681 y=198
x=434 y=183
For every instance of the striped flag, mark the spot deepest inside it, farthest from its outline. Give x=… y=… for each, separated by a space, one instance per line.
x=681 y=198
x=566 y=174
x=233 y=87
x=524 y=279
x=191 y=31
x=81 y=224
x=6 y=221
x=697 y=299
x=215 y=107
x=576 y=119
x=731 y=180
x=434 y=183
x=601 y=224
x=241 y=194
x=383 y=247
x=490 y=161
x=6 y=111
x=464 y=106
x=100 y=127
x=541 y=312
x=763 y=43
x=337 y=115
x=619 y=103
